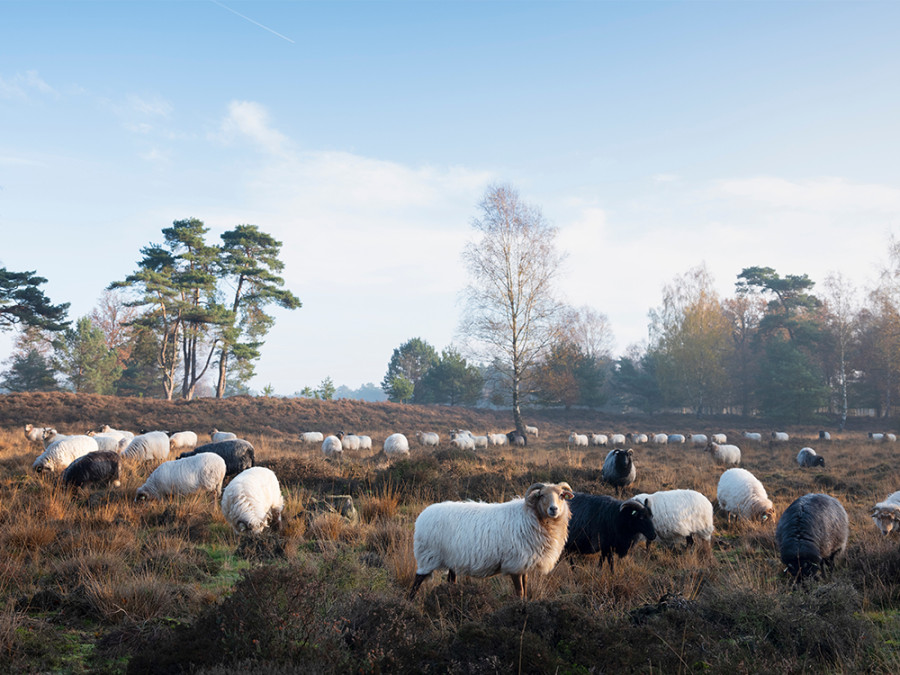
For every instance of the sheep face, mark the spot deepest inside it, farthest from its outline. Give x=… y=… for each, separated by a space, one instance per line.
x=549 y=500
x=764 y=515
x=818 y=460
x=887 y=520
x=639 y=518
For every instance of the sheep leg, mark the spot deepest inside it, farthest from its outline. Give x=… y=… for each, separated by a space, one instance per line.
x=451 y=577
x=418 y=582
x=519 y=583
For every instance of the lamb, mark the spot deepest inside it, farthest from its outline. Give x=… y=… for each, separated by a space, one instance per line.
x=659 y=439
x=618 y=468
x=824 y=435
x=605 y=525
x=312 y=437
x=498 y=439
x=886 y=514
x=396 y=445
x=35 y=434
x=238 y=454
x=62 y=452
x=349 y=441
x=332 y=446
x=780 y=436
x=599 y=440
x=479 y=539
x=202 y=472
x=741 y=493
x=617 y=439
x=721 y=439
x=808 y=458
x=676 y=438
x=697 y=439
x=148 y=447
x=95 y=468
x=182 y=440
x=753 y=436
x=811 y=532
x=215 y=435
x=531 y=431
x=724 y=454
x=679 y=516
x=578 y=440
x=252 y=501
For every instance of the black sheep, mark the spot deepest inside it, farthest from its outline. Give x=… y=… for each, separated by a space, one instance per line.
x=810 y=533
x=100 y=468
x=605 y=525
x=618 y=468
x=515 y=438
x=237 y=453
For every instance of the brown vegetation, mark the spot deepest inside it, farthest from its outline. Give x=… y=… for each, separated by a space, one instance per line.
x=92 y=582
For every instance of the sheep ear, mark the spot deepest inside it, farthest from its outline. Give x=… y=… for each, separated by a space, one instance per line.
x=533 y=493
x=629 y=452
x=647 y=502
x=566 y=491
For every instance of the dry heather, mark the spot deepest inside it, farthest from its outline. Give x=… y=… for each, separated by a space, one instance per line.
x=90 y=581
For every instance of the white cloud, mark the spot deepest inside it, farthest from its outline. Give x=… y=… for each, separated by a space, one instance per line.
x=149 y=107
x=822 y=195
x=251 y=120
x=20 y=85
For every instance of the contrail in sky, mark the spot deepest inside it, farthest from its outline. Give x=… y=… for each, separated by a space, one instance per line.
x=255 y=23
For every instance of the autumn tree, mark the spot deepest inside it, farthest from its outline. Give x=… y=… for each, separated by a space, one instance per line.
x=511 y=310
x=840 y=313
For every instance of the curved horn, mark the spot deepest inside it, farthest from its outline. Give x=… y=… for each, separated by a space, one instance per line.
x=533 y=493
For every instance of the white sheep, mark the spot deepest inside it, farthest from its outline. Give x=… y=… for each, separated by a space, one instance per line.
x=203 y=472
x=807 y=457
x=780 y=436
x=462 y=441
x=890 y=438
x=109 y=442
x=215 y=435
x=312 y=437
x=350 y=442
x=617 y=439
x=599 y=440
x=886 y=514
x=741 y=494
x=679 y=516
x=676 y=439
x=481 y=442
x=636 y=439
x=659 y=439
x=753 y=436
x=428 y=438
x=182 y=441
x=721 y=439
x=531 y=431
x=477 y=539
x=62 y=452
x=332 y=447
x=51 y=435
x=128 y=435
x=578 y=440
x=365 y=442
x=35 y=434
x=252 y=501
x=497 y=439
x=876 y=437
x=724 y=454
x=148 y=447
x=697 y=439
x=396 y=445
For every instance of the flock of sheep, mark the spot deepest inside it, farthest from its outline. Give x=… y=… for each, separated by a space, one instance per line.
x=518 y=537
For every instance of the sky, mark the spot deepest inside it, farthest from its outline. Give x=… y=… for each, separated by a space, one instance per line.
x=656 y=136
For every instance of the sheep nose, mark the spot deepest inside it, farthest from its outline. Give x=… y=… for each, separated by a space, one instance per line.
x=553 y=510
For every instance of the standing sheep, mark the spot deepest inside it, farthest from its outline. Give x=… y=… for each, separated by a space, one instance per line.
x=659 y=439
x=679 y=516
x=517 y=537
x=312 y=437
x=605 y=525
x=182 y=441
x=808 y=458
x=35 y=434
x=617 y=439
x=349 y=441
x=109 y=442
x=676 y=438
x=462 y=441
x=62 y=452
x=148 y=447
x=886 y=514
x=532 y=431
x=497 y=439
x=252 y=501
x=741 y=493
x=753 y=436
x=724 y=454
x=599 y=440
x=618 y=468
x=332 y=446
x=238 y=454
x=721 y=439
x=780 y=437
x=824 y=435
x=517 y=439
x=811 y=532
x=578 y=440
x=95 y=468
x=365 y=442
x=203 y=472
x=396 y=445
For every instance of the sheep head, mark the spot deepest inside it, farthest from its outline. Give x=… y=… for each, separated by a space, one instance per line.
x=548 y=499
x=886 y=518
x=638 y=517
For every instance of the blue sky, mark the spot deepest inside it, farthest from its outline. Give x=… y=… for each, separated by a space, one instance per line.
x=655 y=135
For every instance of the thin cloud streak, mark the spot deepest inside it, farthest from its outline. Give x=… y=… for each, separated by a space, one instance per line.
x=255 y=23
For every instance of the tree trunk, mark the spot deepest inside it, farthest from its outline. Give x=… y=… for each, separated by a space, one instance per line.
x=223 y=366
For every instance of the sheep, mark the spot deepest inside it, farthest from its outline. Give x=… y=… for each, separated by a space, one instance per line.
x=824 y=435
x=365 y=442
x=51 y=435
x=480 y=539
x=721 y=439
x=680 y=516
x=617 y=439
x=110 y=442
x=598 y=440
x=753 y=436
x=498 y=439
x=148 y=447
x=349 y=441
x=676 y=438
x=332 y=446
x=532 y=431
x=202 y=472
x=462 y=441
x=252 y=501
x=182 y=440
x=659 y=439
x=889 y=438
x=238 y=454
x=811 y=532
x=396 y=445
x=428 y=439
x=605 y=525
x=741 y=494
x=808 y=458
x=886 y=514
x=106 y=429
x=635 y=439
x=578 y=440
x=481 y=442
x=618 y=468
x=34 y=434
x=515 y=438
x=215 y=435
x=100 y=468
x=876 y=437
x=62 y=452
x=724 y=454
x=312 y=437
x=697 y=439
x=780 y=436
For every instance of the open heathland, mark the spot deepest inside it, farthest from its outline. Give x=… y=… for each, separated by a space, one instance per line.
x=92 y=582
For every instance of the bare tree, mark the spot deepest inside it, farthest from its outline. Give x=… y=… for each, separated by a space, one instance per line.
x=840 y=305
x=510 y=309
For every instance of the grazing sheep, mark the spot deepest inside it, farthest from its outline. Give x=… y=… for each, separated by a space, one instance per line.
x=51 y=435
x=617 y=439
x=365 y=442
x=202 y=472
x=807 y=458
x=578 y=440
x=312 y=437
x=106 y=429
x=886 y=514
x=35 y=434
x=721 y=439
x=741 y=494
x=811 y=532
x=876 y=437
x=697 y=439
x=824 y=436
x=599 y=440
x=95 y=468
x=182 y=440
x=780 y=436
x=676 y=438
x=238 y=454
x=332 y=446
x=618 y=468
x=428 y=438
x=349 y=441
x=396 y=445
x=753 y=436
x=110 y=442
x=497 y=439
x=462 y=441
x=148 y=447
x=889 y=438
x=515 y=438
x=517 y=537
x=62 y=452
x=724 y=454
x=605 y=525
x=531 y=431
x=679 y=516
x=659 y=439
x=252 y=501
x=215 y=435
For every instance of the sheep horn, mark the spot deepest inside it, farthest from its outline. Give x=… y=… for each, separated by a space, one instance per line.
x=533 y=493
